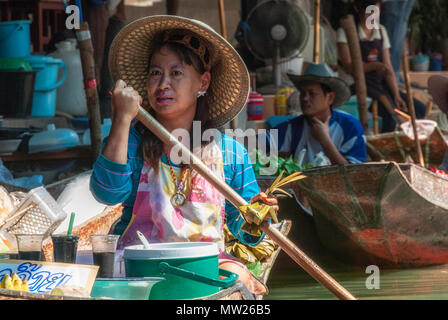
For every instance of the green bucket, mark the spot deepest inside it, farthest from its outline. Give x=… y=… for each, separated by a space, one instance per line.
x=123 y=288
x=190 y=269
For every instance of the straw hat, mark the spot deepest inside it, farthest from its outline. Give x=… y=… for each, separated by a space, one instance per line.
x=132 y=47
x=322 y=73
x=438 y=88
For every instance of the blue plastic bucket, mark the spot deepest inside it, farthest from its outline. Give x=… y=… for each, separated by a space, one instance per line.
x=435 y=63
x=44 y=98
x=15 y=38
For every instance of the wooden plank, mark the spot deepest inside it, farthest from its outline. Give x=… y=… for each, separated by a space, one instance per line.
x=421 y=78
x=59 y=122
x=73 y=153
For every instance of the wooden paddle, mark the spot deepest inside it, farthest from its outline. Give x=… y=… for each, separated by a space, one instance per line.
x=222 y=18
x=293 y=251
x=316 y=30
x=411 y=106
x=222 y=21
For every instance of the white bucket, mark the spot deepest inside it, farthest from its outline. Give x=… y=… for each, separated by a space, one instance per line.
x=424 y=129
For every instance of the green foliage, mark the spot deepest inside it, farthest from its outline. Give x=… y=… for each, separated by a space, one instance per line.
x=254 y=267
x=289 y=165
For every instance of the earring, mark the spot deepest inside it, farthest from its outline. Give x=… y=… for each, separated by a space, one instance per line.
x=201 y=93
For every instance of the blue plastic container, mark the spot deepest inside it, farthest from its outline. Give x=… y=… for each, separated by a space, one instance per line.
x=436 y=62
x=15 y=38
x=420 y=63
x=44 y=98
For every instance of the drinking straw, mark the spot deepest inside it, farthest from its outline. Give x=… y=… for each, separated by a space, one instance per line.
x=70 y=225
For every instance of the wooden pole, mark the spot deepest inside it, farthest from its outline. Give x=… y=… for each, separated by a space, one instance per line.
x=222 y=18
x=293 y=251
x=306 y=263
x=411 y=106
x=375 y=117
x=172 y=6
x=90 y=86
x=316 y=30
x=429 y=106
x=222 y=21
x=348 y=23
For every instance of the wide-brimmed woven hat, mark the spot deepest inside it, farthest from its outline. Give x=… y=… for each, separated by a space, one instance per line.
x=322 y=73
x=438 y=88
x=132 y=47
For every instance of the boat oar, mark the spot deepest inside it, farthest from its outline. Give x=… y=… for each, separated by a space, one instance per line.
x=222 y=22
x=292 y=250
x=407 y=80
x=316 y=31
x=222 y=18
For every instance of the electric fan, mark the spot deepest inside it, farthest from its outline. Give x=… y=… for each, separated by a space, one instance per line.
x=277 y=31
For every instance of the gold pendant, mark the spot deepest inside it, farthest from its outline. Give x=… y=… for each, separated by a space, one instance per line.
x=178 y=199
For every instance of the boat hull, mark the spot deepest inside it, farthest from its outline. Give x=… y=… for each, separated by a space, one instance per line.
x=398 y=147
x=381 y=214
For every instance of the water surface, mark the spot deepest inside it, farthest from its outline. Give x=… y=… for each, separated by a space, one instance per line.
x=292 y=283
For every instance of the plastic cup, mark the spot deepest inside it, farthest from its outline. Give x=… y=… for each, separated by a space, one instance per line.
x=65 y=248
x=30 y=247
x=104 y=248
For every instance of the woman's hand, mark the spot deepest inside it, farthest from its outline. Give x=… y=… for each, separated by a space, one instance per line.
x=264 y=198
x=125 y=101
x=382 y=69
x=400 y=103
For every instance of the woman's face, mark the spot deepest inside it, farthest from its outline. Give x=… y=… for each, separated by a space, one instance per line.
x=173 y=85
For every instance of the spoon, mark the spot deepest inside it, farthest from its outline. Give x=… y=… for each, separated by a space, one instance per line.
x=143 y=239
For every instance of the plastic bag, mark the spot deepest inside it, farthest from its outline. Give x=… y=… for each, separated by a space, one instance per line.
x=8 y=243
x=25 y=182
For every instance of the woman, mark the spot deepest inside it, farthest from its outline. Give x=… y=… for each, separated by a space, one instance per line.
x=379 y=74
x=181 y=71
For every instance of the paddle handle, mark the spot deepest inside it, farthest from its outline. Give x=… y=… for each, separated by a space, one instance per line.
x=292 y=250
x=316 y=31
x=222 y=19
x=152 y=124
x=306 y=263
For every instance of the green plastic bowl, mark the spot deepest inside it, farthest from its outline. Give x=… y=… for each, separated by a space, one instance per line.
x=15 y=64
x=124 y=288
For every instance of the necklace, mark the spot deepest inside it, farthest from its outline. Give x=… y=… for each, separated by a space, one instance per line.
x=178 y=199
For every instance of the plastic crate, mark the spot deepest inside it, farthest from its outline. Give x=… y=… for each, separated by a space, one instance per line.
x=37 y=213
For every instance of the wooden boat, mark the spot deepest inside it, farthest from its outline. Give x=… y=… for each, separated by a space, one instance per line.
x=397 y=146
x=385 y=214
x=101 y=224
x=236 y=292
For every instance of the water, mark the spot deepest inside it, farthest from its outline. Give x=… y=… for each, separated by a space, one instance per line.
x=292 y=283
x=105 y=260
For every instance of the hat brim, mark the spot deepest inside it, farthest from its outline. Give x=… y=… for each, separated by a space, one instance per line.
x=438 y=89
x=132 y=47
x=337 y=85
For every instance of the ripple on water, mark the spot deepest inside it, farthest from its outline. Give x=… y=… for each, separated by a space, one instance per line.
x=430 y=283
